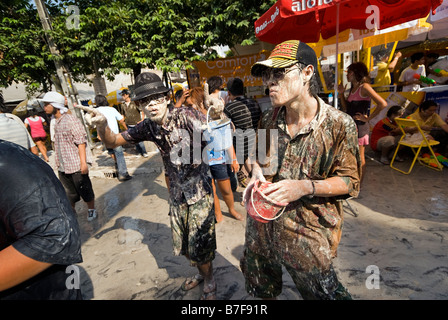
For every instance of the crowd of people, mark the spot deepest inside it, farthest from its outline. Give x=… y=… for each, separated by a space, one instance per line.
x=39 y=231
x=317 y=159
x=383 y=136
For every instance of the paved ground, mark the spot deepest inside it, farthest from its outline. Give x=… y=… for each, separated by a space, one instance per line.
x=395 y=235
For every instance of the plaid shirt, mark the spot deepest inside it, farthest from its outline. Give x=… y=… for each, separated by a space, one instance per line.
x=69 y=133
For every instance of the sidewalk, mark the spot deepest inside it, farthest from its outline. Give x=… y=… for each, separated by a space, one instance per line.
x=104 y=167
x=396 y=233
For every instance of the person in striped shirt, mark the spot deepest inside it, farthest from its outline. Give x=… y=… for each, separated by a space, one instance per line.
x=12 y=129
x=244 y=114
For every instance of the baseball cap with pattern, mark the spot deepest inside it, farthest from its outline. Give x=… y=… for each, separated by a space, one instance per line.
x=285 y=55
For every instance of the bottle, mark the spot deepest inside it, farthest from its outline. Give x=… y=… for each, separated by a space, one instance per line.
x=424 y=79
x=330 y=99
x=442 y=72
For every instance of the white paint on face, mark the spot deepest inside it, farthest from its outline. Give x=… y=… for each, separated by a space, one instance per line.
x=288 y=89
x=156 y=111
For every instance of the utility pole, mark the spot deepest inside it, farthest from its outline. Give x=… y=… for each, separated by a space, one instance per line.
x=62 y=72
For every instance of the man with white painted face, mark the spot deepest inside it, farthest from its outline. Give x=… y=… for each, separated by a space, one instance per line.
x=312 y=166
x=177 y=134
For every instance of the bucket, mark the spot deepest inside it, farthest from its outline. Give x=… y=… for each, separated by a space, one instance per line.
x=260 y=207
x=220 y=133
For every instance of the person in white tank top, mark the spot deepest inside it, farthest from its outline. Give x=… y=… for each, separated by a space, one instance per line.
x=36 y=125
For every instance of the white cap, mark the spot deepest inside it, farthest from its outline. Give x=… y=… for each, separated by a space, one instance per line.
x=56 y=99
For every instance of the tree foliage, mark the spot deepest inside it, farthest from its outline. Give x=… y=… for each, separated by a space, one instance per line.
x=124 y=35
x=24 y=56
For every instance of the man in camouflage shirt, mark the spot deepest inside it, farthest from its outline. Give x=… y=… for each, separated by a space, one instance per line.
x=314 y=164
x=177 y=134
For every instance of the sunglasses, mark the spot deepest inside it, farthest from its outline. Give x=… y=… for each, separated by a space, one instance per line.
x=276 y=74
x=157 y=98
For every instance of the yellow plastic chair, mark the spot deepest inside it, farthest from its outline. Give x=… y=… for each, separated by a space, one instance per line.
x=416 y=148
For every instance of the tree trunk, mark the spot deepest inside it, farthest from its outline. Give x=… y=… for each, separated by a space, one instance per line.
x=99 y=84
x=136 y=70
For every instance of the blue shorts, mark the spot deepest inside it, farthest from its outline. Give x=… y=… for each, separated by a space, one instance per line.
x=221 y=171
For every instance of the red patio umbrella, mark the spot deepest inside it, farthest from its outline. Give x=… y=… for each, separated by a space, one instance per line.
x=307 y=20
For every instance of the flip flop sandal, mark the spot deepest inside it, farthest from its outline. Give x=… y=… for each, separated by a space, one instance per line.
x=192 y=282
x=209 y=295
x=238 y=217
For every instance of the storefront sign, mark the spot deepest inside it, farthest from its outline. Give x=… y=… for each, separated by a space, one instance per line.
x=228 y=68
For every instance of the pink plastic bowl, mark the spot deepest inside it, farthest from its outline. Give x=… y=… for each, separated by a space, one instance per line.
x=260 y=207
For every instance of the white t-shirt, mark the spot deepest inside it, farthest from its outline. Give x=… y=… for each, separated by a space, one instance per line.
x=407 y=75
x=112 y=116
x=52 y=124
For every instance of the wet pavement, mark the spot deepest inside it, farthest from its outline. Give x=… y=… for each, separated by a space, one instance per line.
x=394 y=243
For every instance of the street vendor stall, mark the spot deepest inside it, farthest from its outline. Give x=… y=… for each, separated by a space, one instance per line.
x=336 y=30
x=229 y=68
x=310 y=21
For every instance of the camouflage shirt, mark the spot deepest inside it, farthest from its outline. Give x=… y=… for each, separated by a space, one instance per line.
x=180 y=143
x=131 y=112
x=307 y=234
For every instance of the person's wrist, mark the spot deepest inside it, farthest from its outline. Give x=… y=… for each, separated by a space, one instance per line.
x=313 y=189
x=100 y=126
